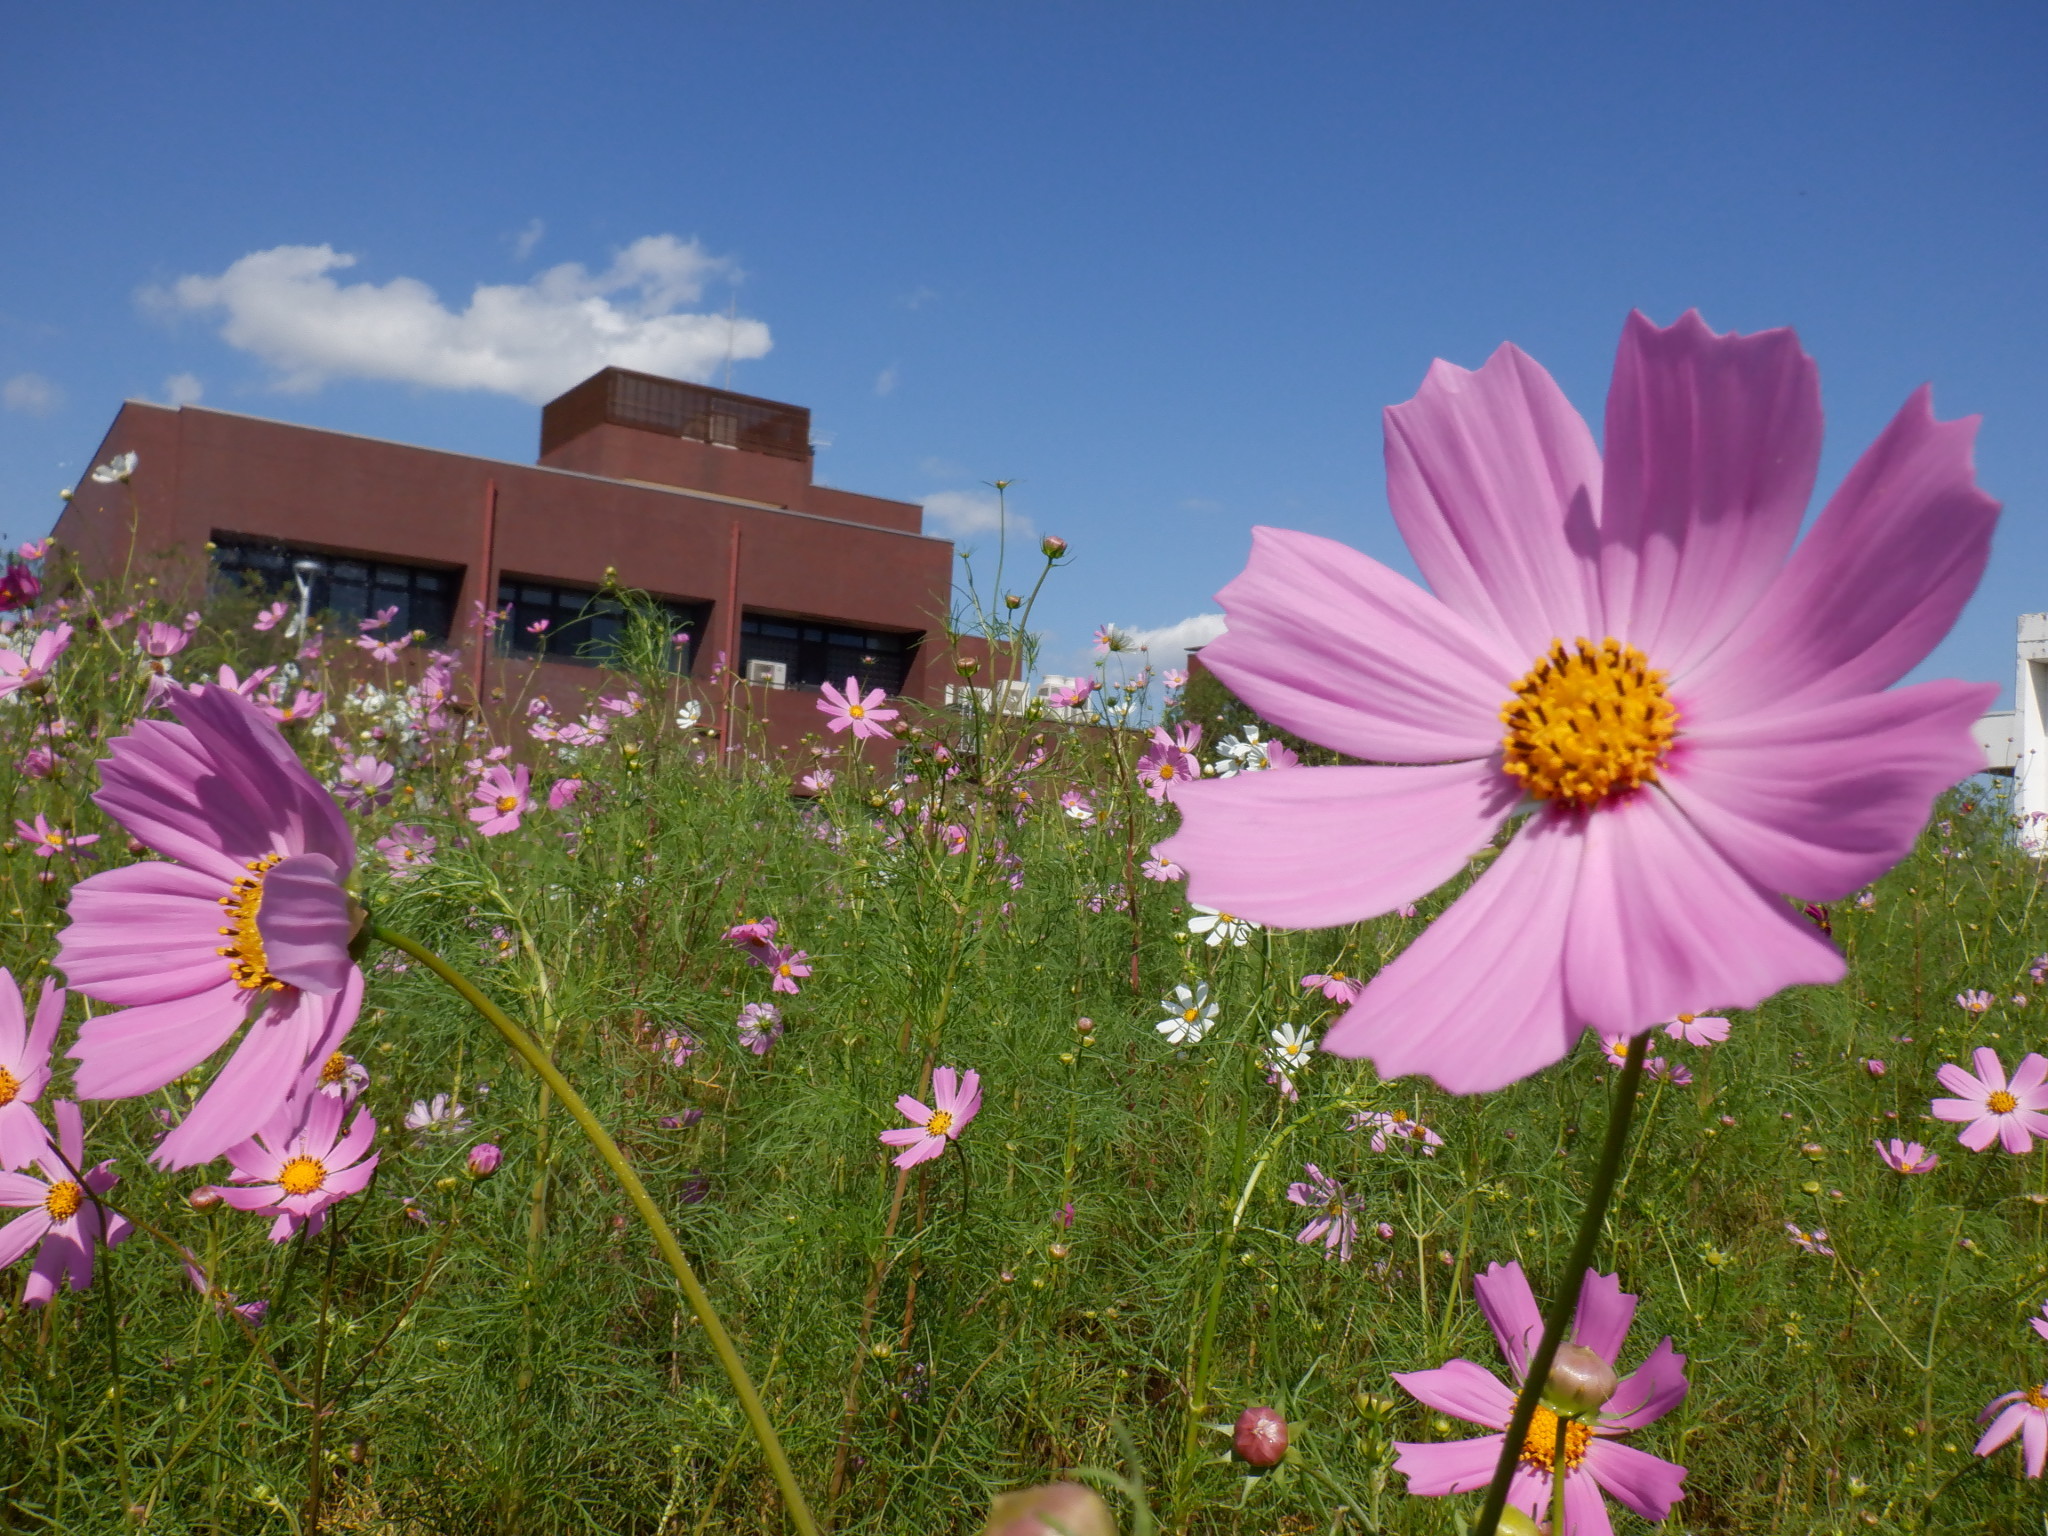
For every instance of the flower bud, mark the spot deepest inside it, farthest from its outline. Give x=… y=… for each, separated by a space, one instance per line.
x=1580 y=1380
x=204 y=1198
x=483 y=1160
x=1052 y=547
x=1514 y=1523
x=1260 y=1438
x=1069 y=1509
x=1012 y=601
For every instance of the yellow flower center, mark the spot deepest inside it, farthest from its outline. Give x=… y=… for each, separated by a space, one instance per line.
x=1687 y=1018
x=2001 y=1103
x=1292 y=1048
x=1334 y=1206
x=1166 y=769
x=54 y=837
x=939 y=1123
x=63 y=1200
x=1192 y=1014
x=244 y=949
x=10 y=1085
x=855 y=712
x=1539 y=1446
x=507 y=804
x=1398 y=1116
x=1588 y=723
x=334 y=1070
x=302 y=1175
x=2037 y=1397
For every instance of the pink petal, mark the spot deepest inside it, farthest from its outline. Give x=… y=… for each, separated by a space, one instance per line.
x=276 y=792
x=1647 y=1484
x=904 y=1135
x=1503 y=1294
x=70 y=1134
x=250 y=1088
x=2028 y=1075
x=1956 y=1109
x=1990 y=1070
x=13 y=1022
x=945 y=1088
x=144 y=933
x=305 y=925
x=2014 y=1135
x=1979 y=1135
x=1585 y=1512
x=1957 y=1080
x=1647 y=1393
x=21 y=1190
x=344 y=1182
x=1324 y=846
x=24 y=1232
x=2034 y=1441
x=1711 y=447
x=23 y=1141
x=1492 y=476
x=1336 y=647
x=1819 y=800
x=910 y=1109
x=1659 y=919
x=259 y=1197
x=923 y=1152
x=1447 y=1466
x=1878 y=581
x=1604 y=1312
x=138 y=1050
x=152 y=785
x=1475 y=1027
x=1462 y=1389
x=50 y=1013
x=2003 y=1428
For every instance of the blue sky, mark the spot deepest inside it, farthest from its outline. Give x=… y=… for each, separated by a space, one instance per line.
x=1160 y=264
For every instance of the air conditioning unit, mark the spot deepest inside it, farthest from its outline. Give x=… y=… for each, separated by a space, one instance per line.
x=771 y=674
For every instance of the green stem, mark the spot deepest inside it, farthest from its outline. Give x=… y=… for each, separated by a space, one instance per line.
x=1558 y=1320
x=636 y=1192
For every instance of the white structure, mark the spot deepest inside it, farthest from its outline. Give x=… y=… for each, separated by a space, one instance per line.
x=2016 y=739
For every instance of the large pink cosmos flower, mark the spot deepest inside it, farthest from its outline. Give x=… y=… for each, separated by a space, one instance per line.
x=25 y=1069
x=1700 y=716
x=247 y=922
x=34 y=669
x=956 y=1099
x=861 y=713
x=1996 y=1110
x=504 y=797
x=1647 y=1484
x=2023 y=1413
x=298 y=1167
x=60 y=1214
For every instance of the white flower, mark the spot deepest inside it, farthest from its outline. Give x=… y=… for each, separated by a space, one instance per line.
x=1189 y=1014
x=437 y=1116
x=1221 y=927
x=1291 y=1048
x=688 y=716
x=116 y=470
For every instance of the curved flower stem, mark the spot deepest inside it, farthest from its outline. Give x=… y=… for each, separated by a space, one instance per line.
x=607 y=1149
x=1565 y=1301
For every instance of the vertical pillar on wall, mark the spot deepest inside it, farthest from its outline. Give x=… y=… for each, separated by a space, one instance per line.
x=2030 y=733
x=486 y=589
x=732 y=640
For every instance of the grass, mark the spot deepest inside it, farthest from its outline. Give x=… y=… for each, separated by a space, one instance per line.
x=509 y=1354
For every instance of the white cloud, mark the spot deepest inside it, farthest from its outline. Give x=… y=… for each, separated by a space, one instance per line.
x=531 y=340
x=1169 y=644
x=964 y=514
x=31 y=394
x=183 y=389
x=528 y=238
x=885 y=381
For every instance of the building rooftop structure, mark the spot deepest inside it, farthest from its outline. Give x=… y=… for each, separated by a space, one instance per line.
x=699 y=497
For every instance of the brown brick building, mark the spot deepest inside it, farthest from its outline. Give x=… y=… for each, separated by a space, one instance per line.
x=700 y=497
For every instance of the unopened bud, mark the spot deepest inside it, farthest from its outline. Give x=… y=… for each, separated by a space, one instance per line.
x=483 y=1160
x=1068 y=1509
x=1052 y=547
x=1012 y=601
x=1580 y=1380
x=1514 y=1523
x=966 y=666
x=1260 y=1438
x=204 y=1198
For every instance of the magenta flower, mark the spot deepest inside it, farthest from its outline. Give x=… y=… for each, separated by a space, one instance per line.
x=298 y=1167
x=67 y=1223
x=1697 y=1029
x=1390 y=1125
x=304 y=706
x=49 y=841
x=563 y=792
x=2023 y=1413
x=502 y=798
x=365 y=782
x=788 y=967
x=1906 y=1156
x=1815 y=1242
x=760 y=1026
x=2040 y=1324
x=1995 y=1109
x=957 y=1097
x=407 y=850
x=1594 y=1459
x=1162 y=870
x=249 y=921
x=1974 y=1001
x=484 y=1158
x=270 y=617
x=755 y=940
x=1334 y=985
x=33 y=670
x=1698 y=711
x=851 y=710
x=1165 y=765
x=25 y=1069
x=1334 y=1225
x=160 y=641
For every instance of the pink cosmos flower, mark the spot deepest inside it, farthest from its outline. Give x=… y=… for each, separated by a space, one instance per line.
x=502 y=799
x=365 y=782
x=629 y=706
x=755 y=940
x=377 y=620
x=407 y=850
x=67 y=1223
x=49 y=841
x=854 y=711
x=1815 y=1241
x=270 y=617
x=1334 y=1224
x=342 y=1077
x=161 y=640
x=563 y=792
x=1661 y=1071
x=245 y=686
x=224 y=1300
x=1697 y=1029
x=1974 y=1002
x=246 y=920
x=484 y=1158
x=305 y=705
x=1747 y=740
x=954 y=836
x=33 y=670
x=760 y=1026
x=1906 y=1156
x=1995 y=1109
x=1336 y=986
x=298 y=1167
x=385 y=649
x=2023 y=1413
x=818 y=780
x=957 y=1098
x=37 y=763
x=1162 y=870
x=1395 y=1125
x=1174 y=678
x=2040 y=1324
x=25 y=1069
x=788 y=967
x=1166 y=765
x=1595 y=1459
x=1078 y=807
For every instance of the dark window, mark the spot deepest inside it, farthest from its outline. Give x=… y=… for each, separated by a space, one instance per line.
x=814 y=651
x=584 y=625
x=351 y=587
